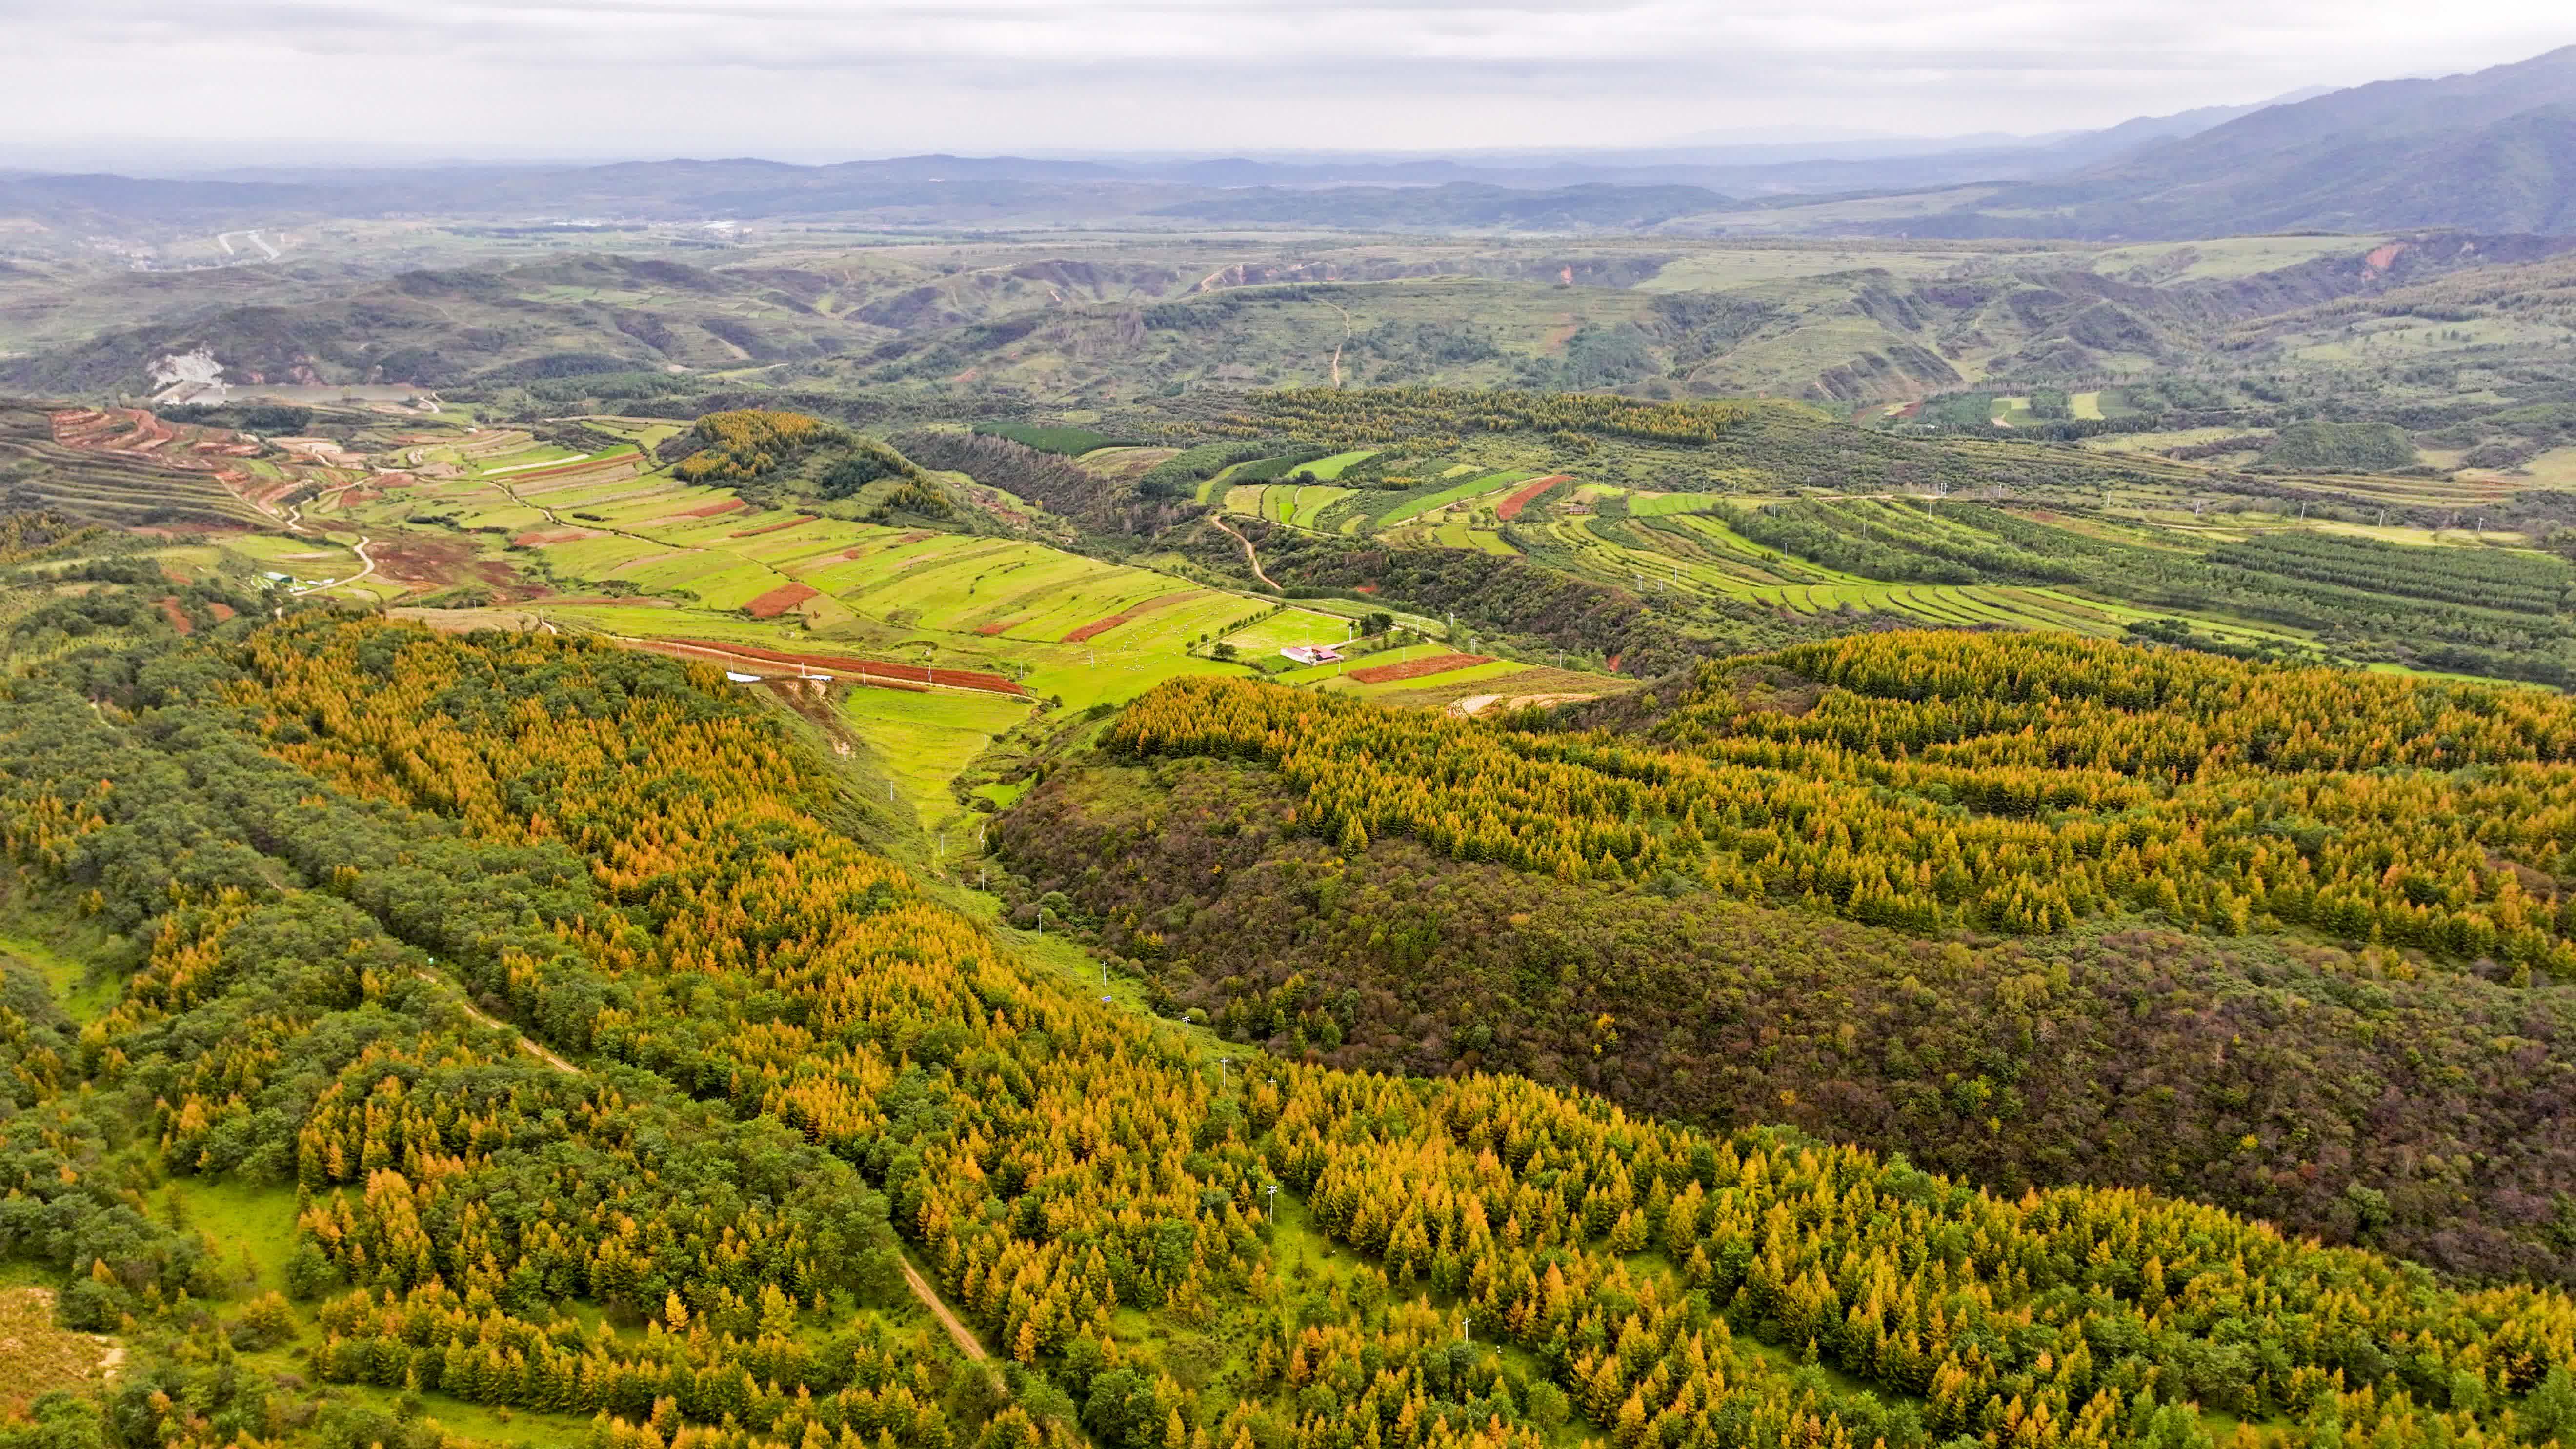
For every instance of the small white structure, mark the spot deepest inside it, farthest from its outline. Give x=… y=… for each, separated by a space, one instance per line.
x=1313 y=653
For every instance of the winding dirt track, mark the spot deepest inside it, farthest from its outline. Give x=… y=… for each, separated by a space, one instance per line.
x=1249 y=556
x=529 y=1042
x=920 y=1286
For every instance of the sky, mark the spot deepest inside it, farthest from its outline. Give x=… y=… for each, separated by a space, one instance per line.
x=111 y=82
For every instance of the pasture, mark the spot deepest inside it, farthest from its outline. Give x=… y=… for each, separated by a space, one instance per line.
x=923 y=741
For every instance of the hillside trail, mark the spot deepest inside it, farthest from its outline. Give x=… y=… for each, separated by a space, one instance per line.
x=558 y=519
x=295 y=521
x=963 y=1336
x=526 y=1042
x=1249 y=556
x=1345 y=342
x=920 y=1286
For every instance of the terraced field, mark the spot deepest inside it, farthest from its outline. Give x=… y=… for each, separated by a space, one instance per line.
x=1478 y=486
x=1298 y=505
x=705 y=561
x=109 y=468
x=1327 y=469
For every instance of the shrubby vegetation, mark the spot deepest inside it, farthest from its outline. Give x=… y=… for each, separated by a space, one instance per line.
x=1177 y=476
x=1352 y=416
x=2340 y=447
x=2082 y=1058
x=1072 y=442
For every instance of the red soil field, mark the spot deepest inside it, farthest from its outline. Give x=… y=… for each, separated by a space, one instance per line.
x=710 y=510
x=1416 y=668
x=220 y=610
x=869 y=669
x=779 y=600
x=1510 y=508
x=997 y=626
x=771 y=527
x=559 y=535
x=1098 y=627
x=177 y=616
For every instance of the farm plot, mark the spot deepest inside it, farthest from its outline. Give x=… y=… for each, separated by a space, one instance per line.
x=1312 y=501
x=1325 y=470
x=1417 y=668
x=1446 y=684
x=1378 y=659
x=1661 y=505
x=1477 y=540
x=1293 y=627
x=1410 y=506
x=925 y=741
x=1527 y=494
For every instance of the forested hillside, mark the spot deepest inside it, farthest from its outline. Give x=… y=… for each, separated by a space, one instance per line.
x=758 y=1046
x=1646 y=907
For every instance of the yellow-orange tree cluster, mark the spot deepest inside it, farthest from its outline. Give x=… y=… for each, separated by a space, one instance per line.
x=2014 y=782
x=1059 y=1163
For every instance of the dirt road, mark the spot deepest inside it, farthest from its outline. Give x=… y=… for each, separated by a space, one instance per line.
x=526 y=1042
x=1249 y=556
x=929 y=1296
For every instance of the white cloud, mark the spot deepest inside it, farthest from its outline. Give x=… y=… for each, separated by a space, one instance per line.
x=812 y=78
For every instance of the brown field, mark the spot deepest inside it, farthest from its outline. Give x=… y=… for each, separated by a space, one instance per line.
x=1510 y=508
x=779 y=600
x=1098 y=627
x=708 y=510
x=1417 y=668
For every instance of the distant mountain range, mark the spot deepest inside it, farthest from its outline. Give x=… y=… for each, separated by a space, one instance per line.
x=2493 y=151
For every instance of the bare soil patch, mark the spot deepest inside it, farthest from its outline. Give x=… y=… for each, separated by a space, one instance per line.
x=1098 y=627
x=1510 y=508
x=711 y=510
x=1417 y=668
x=779 y=600
x=42 y=1357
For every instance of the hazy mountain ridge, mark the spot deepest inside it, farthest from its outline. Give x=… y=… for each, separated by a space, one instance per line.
x=2491 y=151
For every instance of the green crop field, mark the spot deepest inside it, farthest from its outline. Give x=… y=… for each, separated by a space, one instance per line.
x=925 y=741
x=1325 y=470
x=1415 y=505
x=1652 y=505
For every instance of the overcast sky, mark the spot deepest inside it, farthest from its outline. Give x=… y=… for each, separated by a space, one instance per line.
x=297 y=80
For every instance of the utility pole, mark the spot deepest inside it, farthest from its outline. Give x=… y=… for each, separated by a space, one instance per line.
x=1273 y=1191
